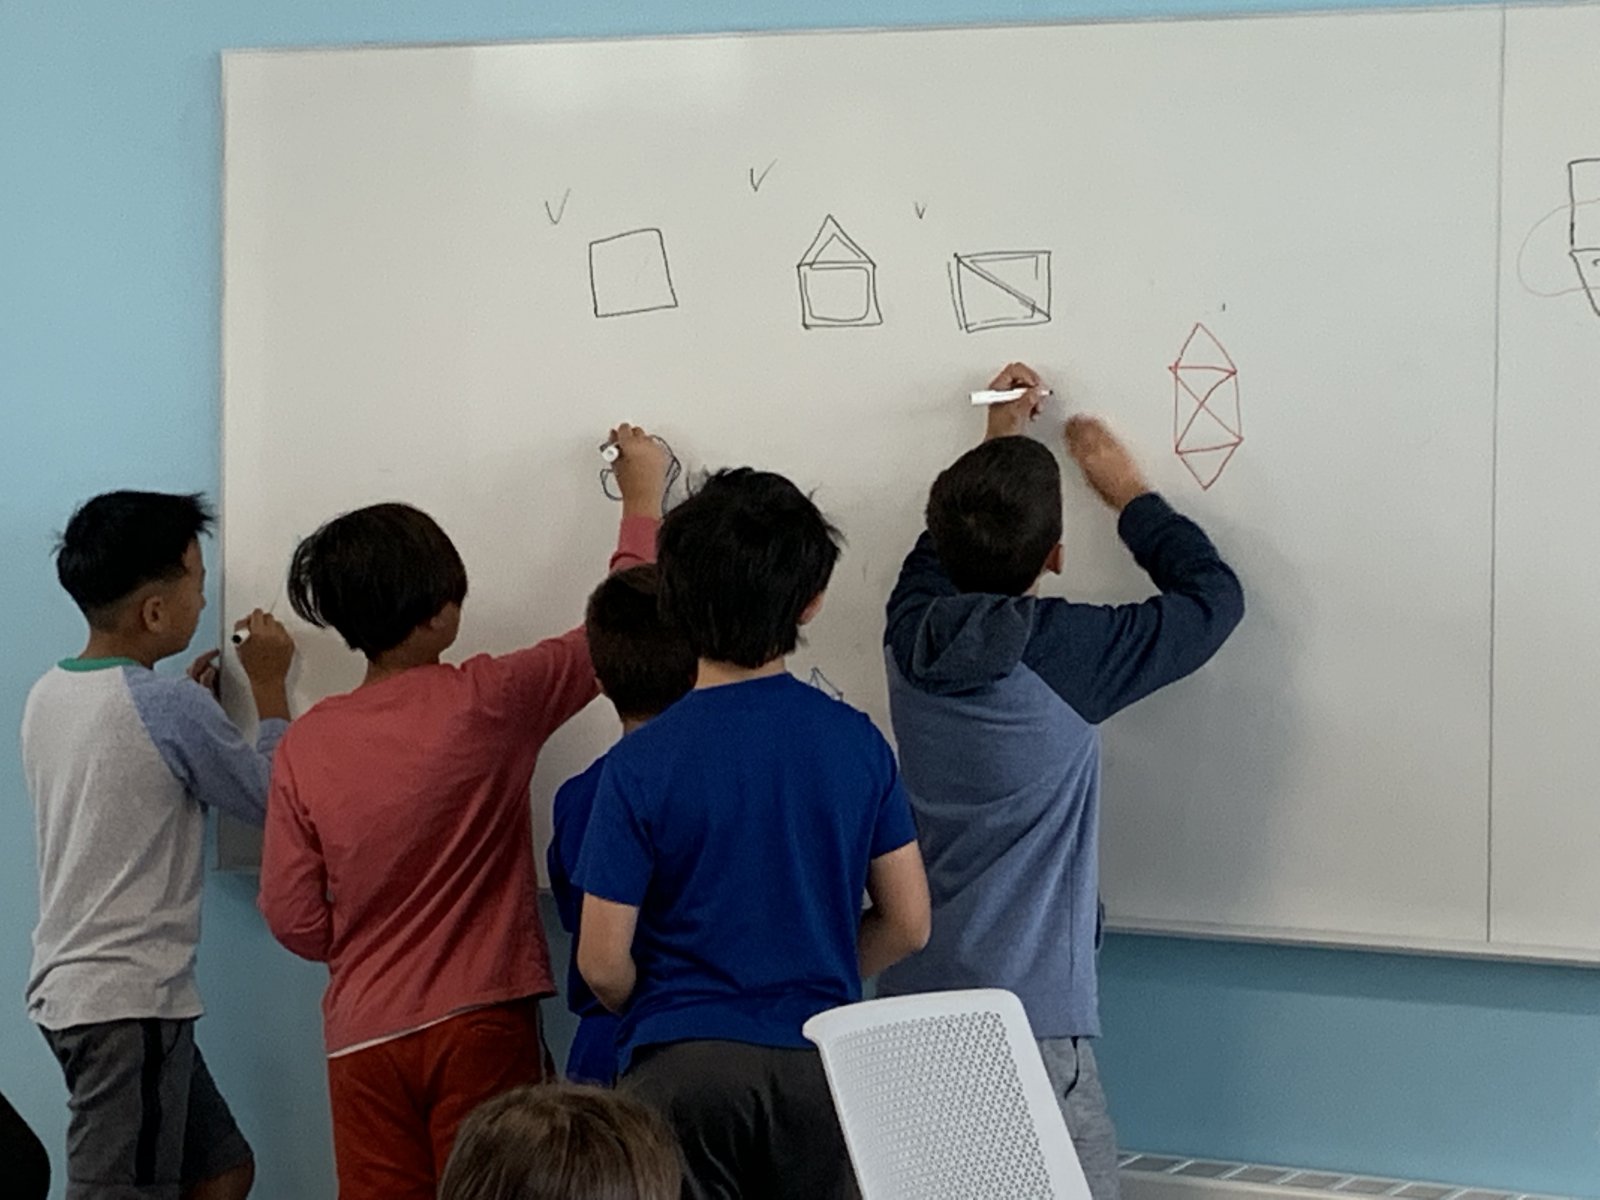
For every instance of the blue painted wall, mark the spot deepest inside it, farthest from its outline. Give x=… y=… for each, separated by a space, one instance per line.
x=109 y=291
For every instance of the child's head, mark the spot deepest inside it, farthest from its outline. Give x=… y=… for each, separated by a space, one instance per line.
x=744 y=563
x=643 y=663
x=131 y=562
x=995 y=516
x=378 y=576
x=558 y=1142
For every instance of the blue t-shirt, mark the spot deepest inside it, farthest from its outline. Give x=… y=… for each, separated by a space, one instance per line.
x=740 y=823
x=593 y=1057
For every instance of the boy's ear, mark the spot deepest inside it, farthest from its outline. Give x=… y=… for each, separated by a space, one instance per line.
x=809 y=613
x=152 y=611
x=1056 y=559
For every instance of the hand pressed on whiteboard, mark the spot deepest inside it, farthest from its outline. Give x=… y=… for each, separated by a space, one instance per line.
x=1012 y=417
x=641 y=470
x=1105 y=462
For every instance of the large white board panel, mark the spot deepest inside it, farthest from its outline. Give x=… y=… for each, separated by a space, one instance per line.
x=411 y=311
x=1546 y=868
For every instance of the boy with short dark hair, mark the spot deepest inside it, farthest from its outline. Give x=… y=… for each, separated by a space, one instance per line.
x=995 y=696
x=121 y=764
x=644 y=667
x=399 y=844
x=727 y=852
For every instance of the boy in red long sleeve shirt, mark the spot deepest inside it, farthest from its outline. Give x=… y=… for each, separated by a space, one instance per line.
x=399 y=847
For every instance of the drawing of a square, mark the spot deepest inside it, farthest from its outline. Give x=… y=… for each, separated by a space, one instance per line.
x=628 y=274
x=838 y=282
x=1001 y=289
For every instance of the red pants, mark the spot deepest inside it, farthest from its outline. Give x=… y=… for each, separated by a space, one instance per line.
x=397 y=1105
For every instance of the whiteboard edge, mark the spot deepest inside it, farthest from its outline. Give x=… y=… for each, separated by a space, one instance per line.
x=1368 y=8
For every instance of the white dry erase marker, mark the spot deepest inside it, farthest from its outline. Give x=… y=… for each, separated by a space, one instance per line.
x=610 y=451
x=241 y=636
x=1007 y=396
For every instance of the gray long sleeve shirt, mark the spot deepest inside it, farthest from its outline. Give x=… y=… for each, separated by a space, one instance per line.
x=121 y=764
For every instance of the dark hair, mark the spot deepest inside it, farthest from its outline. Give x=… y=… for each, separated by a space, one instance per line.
x=119 y=542
x=375 y=575
x=740 y=560
x=644 y=664
x=562 y=1142
x=995 y=515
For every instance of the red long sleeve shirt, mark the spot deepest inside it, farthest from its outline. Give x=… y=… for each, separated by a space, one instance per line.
x=399 y=843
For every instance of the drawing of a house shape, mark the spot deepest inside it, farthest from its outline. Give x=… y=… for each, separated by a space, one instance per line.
x=1583 y=226
x=838 y=282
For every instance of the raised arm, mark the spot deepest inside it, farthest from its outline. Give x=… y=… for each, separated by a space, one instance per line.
x=1100 y=659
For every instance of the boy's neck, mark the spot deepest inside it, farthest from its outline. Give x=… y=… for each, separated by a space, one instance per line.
x=629 y=724
x=105 y=644
x=716 y=674
x=397 y=662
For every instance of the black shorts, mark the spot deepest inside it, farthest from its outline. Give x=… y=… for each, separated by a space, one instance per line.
x=752 y=1120
x=147 y=1119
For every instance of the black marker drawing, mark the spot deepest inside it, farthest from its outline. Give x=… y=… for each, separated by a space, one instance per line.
x=822 y=683
x=922 y=209
x=838 y=282
x=556 y=215
x=1583 y=225
x=628 y=274
x=608 y=476
x=1001 y=288
x=757 y=180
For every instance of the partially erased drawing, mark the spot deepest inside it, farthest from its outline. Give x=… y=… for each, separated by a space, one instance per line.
x=628 y=274
x=1206 y=430
x=1583 y=224
x=822 y=683
x=838 y=282
x=1001 y=289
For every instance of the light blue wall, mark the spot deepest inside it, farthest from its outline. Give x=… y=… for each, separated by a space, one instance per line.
x=109 y=191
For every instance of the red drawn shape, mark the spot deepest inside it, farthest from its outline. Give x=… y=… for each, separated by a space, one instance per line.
x=1206 y=430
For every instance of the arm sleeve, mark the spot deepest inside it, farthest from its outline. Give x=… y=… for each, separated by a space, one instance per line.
x=559 y=858
x=894 y=826
x=616 y=863
x=543 y=687
x=203 y=748
x=294 y=877
x=922 y=581
x=1100 y=659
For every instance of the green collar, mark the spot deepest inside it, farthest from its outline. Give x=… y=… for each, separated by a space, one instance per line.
x=94 y=664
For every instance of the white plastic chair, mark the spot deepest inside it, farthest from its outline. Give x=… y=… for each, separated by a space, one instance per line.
x=945 y=1097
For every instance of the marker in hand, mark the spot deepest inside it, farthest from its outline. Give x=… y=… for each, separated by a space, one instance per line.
x=241 y=636
x=610 y=452
x=1008 y=395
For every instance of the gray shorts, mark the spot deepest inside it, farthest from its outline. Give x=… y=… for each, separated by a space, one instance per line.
x=147 y=1119
x=1075 y=1078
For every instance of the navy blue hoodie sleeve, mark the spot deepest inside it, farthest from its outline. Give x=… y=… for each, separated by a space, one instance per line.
x=1100 y=658
x=922 y=581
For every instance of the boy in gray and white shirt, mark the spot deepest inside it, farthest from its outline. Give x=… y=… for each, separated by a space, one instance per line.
x=121 y=764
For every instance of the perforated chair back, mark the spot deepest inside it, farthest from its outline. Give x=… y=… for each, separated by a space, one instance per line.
x=945 y=1097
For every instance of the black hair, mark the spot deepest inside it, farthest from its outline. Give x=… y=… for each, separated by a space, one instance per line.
x=375 y=575
x=995 y=515
x=644 y=664
x=117 y=543
x=740 y=560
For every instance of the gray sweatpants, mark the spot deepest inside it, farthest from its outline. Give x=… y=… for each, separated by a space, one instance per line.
x=1075 y=1078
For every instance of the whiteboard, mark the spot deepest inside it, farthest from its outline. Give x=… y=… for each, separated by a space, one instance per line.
x=448 y=269
x=1546 y=885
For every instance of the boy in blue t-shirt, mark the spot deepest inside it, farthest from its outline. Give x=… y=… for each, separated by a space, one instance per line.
x=996 y=696
x=726 y=855
x=644 y=667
